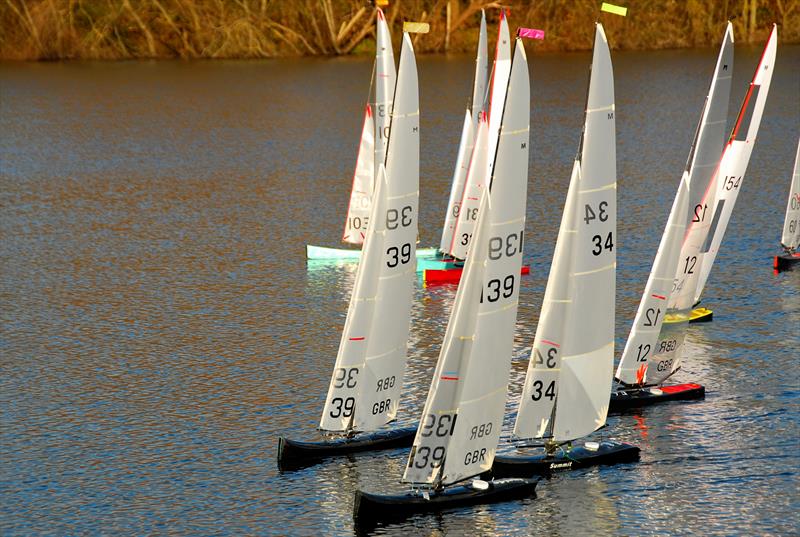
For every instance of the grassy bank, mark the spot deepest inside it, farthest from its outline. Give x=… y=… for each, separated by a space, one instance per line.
x=122 y=29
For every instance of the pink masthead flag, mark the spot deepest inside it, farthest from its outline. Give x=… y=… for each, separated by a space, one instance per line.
x=531 y=33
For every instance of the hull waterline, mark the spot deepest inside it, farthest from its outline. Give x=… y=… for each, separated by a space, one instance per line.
x=606 y=453
x=622 y=400
x=370 y=508
x=295 y=454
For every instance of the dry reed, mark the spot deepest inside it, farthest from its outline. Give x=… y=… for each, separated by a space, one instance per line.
x=121 y=29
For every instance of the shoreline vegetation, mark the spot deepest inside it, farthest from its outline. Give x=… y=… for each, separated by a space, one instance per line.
x=32 y=30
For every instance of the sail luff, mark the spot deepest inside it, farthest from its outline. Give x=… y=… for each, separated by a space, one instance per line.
x=736 y=157
x=790 y=238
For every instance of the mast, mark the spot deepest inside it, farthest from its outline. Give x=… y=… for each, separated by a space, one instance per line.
x=700 y=176
x=568 y=384
x=736 y=157
x=463 y=415
x=365 y=386
x=467 y=143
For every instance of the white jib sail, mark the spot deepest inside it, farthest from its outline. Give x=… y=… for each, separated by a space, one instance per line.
x=467 y=143
x=587 y=352
x=473 y=192
x=790 y=239
x=646 y=327
x=365 y=385
x=701 y=168
x=544 y=367
x=355 y=227
x=463 y=415
x=736 y=157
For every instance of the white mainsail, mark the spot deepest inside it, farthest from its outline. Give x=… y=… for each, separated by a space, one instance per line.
x=568 y=384
x=463 y=414
x=480 y=167
x=700 y=175
x=374 y=135
x=471 y=118
x=790 y=239
x=736 y=157
x=365 y=386
x=358 y=210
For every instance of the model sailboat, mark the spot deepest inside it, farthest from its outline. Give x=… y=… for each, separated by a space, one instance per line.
x=654 y=348
x=371 y=151
x=733 y=166
x=463 y=414
x=790 y=239
x=472 y=117
x=364 y=390
x=568 y=384
x=486 y=129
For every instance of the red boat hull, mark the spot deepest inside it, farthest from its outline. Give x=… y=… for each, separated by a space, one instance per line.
x=436 y=277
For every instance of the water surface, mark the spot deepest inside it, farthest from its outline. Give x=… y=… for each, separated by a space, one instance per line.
x=161 y=327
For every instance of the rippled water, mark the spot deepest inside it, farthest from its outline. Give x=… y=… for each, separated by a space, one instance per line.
x=160 y=325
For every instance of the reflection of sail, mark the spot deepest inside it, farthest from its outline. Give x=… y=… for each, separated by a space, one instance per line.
x=334 y=486
x=577 y=504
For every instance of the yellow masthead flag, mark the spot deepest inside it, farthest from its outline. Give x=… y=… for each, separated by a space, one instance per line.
x=616 y=10
x=416 y=27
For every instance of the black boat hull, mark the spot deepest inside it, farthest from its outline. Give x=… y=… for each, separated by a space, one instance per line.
x=785 y=261
x=626 y=399
x=294 y=454
x=370 y=508
x=608 y=452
